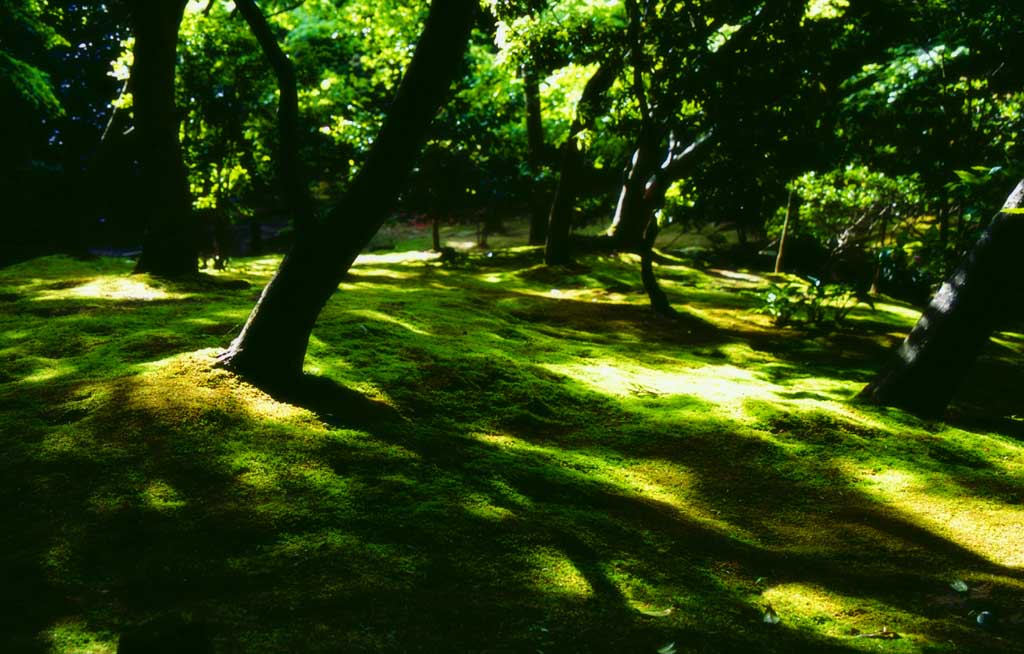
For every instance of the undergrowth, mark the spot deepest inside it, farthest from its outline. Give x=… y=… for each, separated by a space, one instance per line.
x=494 y=457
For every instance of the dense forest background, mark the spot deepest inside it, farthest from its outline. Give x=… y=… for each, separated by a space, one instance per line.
x=511 y=326
x=890 y=128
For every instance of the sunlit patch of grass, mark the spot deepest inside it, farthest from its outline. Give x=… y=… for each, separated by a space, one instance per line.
x=860 y=623
x=553 y=572
x=112 y=288
x=990 y=528
x=76 y=636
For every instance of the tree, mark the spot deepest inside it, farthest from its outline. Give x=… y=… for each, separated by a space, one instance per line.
x=169 y=247
x=290 y=174
x=272 y=345
x=556 y=249
x=934 y=358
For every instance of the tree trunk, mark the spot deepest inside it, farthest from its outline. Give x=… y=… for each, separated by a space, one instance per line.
x=272 y=345
x=631 y=215
x=556 y=250
x=535 y=156
x=927 y=368
x=676 y=164
x=659 y=301
x=168 y=247
x=289 y=169
x=785 y=232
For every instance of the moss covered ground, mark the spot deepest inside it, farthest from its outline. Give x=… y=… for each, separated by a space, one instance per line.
x=493 y=456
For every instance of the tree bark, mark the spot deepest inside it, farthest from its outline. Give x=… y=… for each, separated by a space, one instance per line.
x=535 y=155
x=628 y=224
x=930 y=364
x=289 y=169
x=556 y=249
x=169 y=247
x=272 y=345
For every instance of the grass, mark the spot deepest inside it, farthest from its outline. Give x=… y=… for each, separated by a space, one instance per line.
x=493 y=457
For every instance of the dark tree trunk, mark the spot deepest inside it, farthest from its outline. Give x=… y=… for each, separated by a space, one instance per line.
x=659 y=301
x=535 y=156
x=630 y=220
x=289 y=168
x=927 y=368
x=556 y=250
x=271 y=348
x=169 y=247
x=676 y=164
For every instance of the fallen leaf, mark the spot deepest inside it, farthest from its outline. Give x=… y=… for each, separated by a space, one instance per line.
x=656 y=613
x=959 y=586
x=668 y=649
x=770 y=616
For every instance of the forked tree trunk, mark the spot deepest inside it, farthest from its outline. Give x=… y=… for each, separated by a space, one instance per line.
x=169 y=246
x=556 y=249
x=272 y=345
x=934 y=359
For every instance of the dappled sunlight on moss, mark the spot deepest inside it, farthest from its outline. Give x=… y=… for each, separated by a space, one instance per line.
x=113 y=288
x=553 y=572
x=77 y=636
x=984 y=526
x=834 y=615
x=161 y=496
x=379 y=316
x=564 y=469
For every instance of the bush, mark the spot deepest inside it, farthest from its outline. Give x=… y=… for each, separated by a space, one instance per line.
x=811 y=305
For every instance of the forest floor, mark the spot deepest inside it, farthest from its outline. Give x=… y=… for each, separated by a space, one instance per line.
x=492 y=456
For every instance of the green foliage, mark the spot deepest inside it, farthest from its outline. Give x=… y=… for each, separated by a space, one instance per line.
x=847 y=208
x=810 y=305
x=27 y=32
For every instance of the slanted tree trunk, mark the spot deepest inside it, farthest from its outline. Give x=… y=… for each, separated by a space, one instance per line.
x=556 y=250
x=535 y=155
x=289 y=168
x=779 y=256
x=272 y=345
x=169 y=247
x=930 y=364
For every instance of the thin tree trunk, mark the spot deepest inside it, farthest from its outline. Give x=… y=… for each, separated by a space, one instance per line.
x=556 y=250
x=785 y=232
x=168 y=247
x=435 y=230
x=933 y=360
x=289 y=169
x=535 y=155
x=659 y=301
x=272 y=345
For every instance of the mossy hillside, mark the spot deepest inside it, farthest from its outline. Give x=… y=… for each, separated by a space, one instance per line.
x=492 y=457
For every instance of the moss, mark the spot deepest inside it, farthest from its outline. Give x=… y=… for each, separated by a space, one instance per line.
x=497 y=457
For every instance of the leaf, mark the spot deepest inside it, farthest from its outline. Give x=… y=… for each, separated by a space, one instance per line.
x=655 y=613
x=959 y=586
x=770 y=616
x=668 y=649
